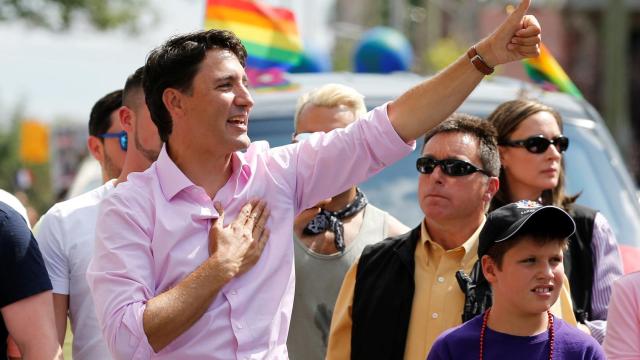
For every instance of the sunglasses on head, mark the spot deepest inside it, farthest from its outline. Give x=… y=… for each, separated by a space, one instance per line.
x=121 y=136
x=539 y=144
x=450 y=167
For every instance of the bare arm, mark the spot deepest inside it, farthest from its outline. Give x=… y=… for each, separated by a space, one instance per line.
x=233 y=251
x=60 y=310
x=31 y=323
x=432 y=101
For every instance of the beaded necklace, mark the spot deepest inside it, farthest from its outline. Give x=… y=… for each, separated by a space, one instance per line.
x=549 y=328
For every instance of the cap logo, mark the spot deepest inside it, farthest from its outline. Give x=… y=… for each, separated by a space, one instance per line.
x=527 y=204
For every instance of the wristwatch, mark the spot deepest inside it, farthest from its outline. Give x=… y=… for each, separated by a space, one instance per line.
x=479 y=62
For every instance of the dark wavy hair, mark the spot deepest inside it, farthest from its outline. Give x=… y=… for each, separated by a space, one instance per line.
x=175 y=63
x=506 y=118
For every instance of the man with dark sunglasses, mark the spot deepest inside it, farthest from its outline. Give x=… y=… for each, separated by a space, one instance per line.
x=66 y=232
x=406 y=285
x=105 y=145
x=107 y=141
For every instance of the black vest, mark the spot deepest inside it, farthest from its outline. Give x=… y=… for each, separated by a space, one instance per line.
x=578 y=261
x=382 y=298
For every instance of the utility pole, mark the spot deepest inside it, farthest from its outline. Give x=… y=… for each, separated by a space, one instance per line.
x=616 y=81
x=398 y=14
x=434 y=22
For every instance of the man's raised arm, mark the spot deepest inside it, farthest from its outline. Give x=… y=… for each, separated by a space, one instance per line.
x=432 y=101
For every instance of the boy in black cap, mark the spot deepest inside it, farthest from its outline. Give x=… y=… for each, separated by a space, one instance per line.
x=520 y=248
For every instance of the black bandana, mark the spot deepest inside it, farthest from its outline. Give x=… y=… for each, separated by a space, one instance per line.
x=330 y=220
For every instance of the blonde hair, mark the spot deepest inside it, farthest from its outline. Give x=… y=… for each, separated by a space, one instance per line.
x=332 y=95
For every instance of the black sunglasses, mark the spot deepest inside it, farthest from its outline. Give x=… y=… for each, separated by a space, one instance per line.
x=539 y=144
x=450 y=167
x=122 y=138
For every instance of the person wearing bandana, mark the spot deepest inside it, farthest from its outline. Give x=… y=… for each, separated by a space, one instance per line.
x=330 y=236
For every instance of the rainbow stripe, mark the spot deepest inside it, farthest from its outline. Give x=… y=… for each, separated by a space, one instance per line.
x=545 y=70
x=269 y=33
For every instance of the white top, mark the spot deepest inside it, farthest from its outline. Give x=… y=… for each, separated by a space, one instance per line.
x=66 y=235
x=13 y=201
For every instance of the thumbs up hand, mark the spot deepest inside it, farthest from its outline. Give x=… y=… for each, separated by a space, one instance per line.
x=518 y=37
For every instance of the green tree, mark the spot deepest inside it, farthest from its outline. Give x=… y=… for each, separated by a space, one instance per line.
x=40 y=194
x=59 y=15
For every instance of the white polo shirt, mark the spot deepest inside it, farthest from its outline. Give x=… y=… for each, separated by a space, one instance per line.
x=66 y=235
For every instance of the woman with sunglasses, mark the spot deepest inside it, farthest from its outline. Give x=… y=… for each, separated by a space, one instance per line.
x=531 y=147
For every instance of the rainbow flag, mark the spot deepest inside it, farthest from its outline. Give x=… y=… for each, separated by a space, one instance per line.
x=545 y=70
x=270 y=80
x=269 y=33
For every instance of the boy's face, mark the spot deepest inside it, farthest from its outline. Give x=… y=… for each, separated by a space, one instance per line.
x=530 y=279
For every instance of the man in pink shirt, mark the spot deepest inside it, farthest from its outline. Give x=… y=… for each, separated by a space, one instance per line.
x=162 y=287
x=622 y=341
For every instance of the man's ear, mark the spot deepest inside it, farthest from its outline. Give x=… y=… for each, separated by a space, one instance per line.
x=502 y=150
x=96 y=148
x=127 y=119
x=493 y=185
x=489 y=268
x=172 y=100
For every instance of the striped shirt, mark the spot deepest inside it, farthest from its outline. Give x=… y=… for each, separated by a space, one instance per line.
x=607 y=265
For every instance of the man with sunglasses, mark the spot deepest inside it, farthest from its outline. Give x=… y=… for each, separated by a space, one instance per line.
x=403 y=293
x=329 y=236
x=66 y=233
x=107 y=144
x=107 y=141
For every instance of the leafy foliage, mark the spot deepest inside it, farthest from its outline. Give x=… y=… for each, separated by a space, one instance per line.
x=59 y=15
x=39 y=194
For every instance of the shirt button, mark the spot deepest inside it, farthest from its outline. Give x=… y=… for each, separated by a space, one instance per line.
x=239 y=326
x=434 y=315
x=440 y=279
x=233 y=292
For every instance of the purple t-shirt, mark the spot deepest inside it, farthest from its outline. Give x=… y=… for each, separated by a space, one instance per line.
x=463 y=342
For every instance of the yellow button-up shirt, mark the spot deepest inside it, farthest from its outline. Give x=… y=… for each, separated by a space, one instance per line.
x=437 y=300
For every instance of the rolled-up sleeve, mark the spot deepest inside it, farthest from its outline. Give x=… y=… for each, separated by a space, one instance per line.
x=329 y=163
x=120 y=276
x=50 y=237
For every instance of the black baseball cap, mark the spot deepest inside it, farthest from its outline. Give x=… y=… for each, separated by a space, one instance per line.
x=506 y=222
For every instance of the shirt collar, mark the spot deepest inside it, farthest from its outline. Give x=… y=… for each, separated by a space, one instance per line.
x=470 y=246
x=239 y=162
x=173 y=180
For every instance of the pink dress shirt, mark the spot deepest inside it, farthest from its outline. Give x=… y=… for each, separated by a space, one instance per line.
x=153 y=231
x=622 y=341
